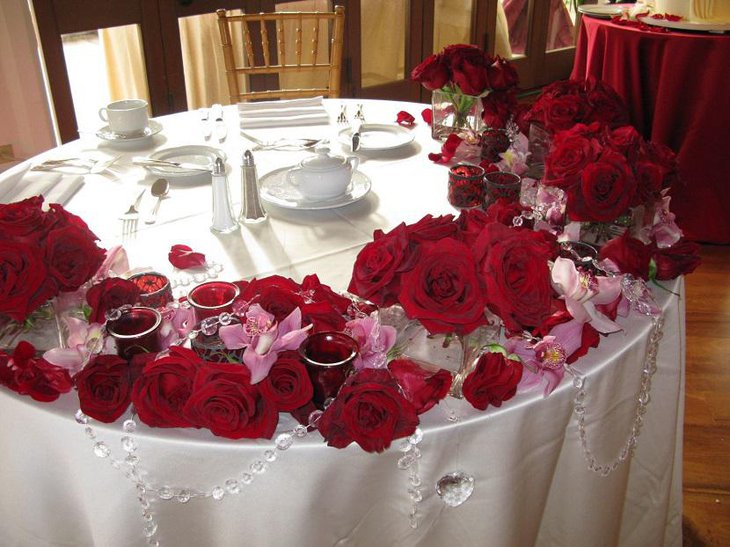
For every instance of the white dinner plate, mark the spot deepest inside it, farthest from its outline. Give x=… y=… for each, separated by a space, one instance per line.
x=277 y=190
x=378 y=136
x=683 y=24
x=603 y=12
x=196 y=154
x=105 y=133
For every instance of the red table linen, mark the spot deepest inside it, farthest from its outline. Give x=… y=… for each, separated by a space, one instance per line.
x=677 y=88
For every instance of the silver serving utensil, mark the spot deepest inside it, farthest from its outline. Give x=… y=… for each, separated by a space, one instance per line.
x=159 y=190
x=221 y=130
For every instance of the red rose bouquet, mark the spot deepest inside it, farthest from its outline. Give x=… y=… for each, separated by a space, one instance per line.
x=470 y=86
x=42 y=253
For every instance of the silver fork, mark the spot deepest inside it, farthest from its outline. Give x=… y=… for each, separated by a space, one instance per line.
x=130 y=218
x=342 y=118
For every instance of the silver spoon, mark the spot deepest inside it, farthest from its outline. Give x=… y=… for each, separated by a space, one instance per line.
x=159 y=190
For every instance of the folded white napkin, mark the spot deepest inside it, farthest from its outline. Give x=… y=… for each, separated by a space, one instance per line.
x=285 y=113
x=54 y=187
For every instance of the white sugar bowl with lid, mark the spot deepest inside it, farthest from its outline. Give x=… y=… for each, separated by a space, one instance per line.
x=323 y=176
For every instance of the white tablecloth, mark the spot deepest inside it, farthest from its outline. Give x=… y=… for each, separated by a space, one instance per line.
x=532 y=484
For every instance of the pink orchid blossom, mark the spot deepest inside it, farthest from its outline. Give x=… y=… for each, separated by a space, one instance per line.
x=263 y=338
x=374 y=339
x=514 y=159
x=115 y=263
x=665 y=230
x=84 y=340
x=540 y=367
x=582 y=291
x=176 y=324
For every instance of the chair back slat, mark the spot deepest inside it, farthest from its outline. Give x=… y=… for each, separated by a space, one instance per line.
x=301 y=25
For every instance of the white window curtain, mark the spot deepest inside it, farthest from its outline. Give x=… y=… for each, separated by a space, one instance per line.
x=27 y=122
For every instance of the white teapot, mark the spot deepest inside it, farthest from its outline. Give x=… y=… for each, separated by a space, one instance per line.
x=323 y=176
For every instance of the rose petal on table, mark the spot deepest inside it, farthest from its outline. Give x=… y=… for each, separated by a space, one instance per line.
x=183 y=257
x=405 y=119
x=448 y=149
x=427 y=115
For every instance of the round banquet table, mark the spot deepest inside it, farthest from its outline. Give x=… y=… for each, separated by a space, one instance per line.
x=675 y=85
x=532 y=485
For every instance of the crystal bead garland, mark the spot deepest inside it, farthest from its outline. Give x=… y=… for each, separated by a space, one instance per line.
x=409 y=462
x=579 y=383
x=145 y=490
x=184 y=279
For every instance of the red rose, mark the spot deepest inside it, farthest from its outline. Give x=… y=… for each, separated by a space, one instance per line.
x=24 y=219
x=493 y=381
x=374 y=274
x=313 y=289
x=448 y=149
x=109 y=294
x=72 y=256
x=606 y=190
x=105 y=388
x=405 y=119
x=604 y=104
x=422 y=388
x=163 y=388
x=287 y=385
x=562 y=113
x=679 y=259
x=570 y=153
x=278 y=295
x=432 y=73
x=26 y=374
x=498 y=107
x=514 y=268
x=183 y=257
x=442 y=290
x=471 y=222
x=431 y=228
x=224 y=401
x=626 y=140
x=503 y=211
x=502 y=74
x=322 y=316
x=58 y=217
x=370 y=411
x=468 y=66
x=427 y=115
x=628 y=254
x=23 y=280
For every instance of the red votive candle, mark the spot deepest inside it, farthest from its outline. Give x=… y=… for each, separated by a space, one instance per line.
x=154 y=289
x=212 y=298
x=466 y=185
x=501 y=184
x=136 y=331
x=494 y=142
x=328 y=357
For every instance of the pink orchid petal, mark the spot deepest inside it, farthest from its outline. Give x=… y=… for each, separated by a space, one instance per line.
x=569 y=335
x=599 y=321
x=565 y=277
x=609 y=289
x=291 y=340
x=259 y=365
x=69 y=358
x=233 y=336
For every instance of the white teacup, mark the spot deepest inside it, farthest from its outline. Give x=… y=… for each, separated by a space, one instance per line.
x=323 y=176
x=127 y=117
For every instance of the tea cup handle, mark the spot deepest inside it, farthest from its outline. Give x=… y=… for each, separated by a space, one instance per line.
x=354 y=161
x=103 y=114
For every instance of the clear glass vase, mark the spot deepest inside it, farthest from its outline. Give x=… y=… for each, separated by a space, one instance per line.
x=454 y=112
x=41 y=329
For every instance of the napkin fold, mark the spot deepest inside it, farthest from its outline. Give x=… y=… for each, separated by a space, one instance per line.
x=19 y=184
x=286 y=113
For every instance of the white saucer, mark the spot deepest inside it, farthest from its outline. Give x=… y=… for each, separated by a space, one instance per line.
x=196 y=154
x=378 y=136
x=682 y=24
x=105 y=133
x=277 y=190
x=603 y=12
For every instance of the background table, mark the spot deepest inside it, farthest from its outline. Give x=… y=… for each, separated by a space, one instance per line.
x=675 y=85
x=532 y=484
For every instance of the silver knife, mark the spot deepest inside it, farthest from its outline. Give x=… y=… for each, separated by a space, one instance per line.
x=356 y=126
x=149 y=162
x=220 y=126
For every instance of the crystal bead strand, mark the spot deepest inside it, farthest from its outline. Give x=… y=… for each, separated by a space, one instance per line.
x=211 y=271
x=409 y=462
x=643 y=398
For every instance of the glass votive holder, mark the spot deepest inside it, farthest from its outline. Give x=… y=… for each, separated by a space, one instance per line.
x=466 y=185
x=500 y=184
x=209 y=345
x=328 y=357
x=494 y=142
x=154 y=289
x=212 y=298
x=136 y=330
